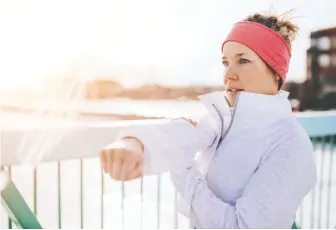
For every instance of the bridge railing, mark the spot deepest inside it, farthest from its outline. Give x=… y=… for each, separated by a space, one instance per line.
x=68 y=190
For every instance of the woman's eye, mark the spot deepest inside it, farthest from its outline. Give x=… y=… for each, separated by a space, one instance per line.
x=225 y=63
x=243 y=61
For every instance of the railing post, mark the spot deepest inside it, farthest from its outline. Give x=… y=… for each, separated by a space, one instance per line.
x=142 y=199
x=323 y=144
x=9 y=174
x=59 y=195
x=159 y=201
x=35 y=190
x=10 y=222
x=102 y=200
x=81 y=194
x=331 y=164
x=312 y=222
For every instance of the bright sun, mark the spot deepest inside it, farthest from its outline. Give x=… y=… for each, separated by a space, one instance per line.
x=41 y=38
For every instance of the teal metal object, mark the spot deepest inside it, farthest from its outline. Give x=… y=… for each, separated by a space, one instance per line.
x=318 y=126
x=18 y=210
x=294 y=226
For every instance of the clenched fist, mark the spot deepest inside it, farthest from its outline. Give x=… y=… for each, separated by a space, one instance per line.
x=123 y=159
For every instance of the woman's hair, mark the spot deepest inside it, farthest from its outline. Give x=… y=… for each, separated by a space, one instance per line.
x=287 y=29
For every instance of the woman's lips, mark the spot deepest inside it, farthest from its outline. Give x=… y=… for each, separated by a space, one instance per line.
x=232 y=93
x=234 y=90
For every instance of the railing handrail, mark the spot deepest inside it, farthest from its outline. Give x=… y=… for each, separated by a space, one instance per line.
x=318 y=123
x=78 y=141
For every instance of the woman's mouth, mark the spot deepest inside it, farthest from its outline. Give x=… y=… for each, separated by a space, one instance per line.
x=232 y=95
x=234 y=90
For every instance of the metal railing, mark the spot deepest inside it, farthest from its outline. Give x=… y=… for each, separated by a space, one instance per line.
x=68 y=189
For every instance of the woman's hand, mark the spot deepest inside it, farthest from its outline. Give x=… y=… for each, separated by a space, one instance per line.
x=123 y=159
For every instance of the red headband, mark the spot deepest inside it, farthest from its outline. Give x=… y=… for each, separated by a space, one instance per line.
x=267 y=43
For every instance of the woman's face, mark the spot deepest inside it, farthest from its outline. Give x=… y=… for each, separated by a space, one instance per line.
x=246 y=71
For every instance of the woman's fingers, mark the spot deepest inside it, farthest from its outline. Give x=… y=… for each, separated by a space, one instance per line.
x=128 y=166
x=106 y=157
x=103 y=160
x=135 y=173
x=122 y=163
x=116 y=162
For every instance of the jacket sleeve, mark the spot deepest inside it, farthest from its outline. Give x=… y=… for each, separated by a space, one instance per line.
x=171 y=144
x=270 y=199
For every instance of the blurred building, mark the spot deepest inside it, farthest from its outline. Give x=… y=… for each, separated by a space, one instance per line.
x=100 y=89
x=318 y=92
x=69 y=87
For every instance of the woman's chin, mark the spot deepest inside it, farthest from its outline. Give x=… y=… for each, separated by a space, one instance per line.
x=232 y=99
x=231 y=102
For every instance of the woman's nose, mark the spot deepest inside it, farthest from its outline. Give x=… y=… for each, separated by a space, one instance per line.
x=230 y=77
x=231 y=73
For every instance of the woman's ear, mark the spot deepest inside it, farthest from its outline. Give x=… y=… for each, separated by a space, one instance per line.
x=278 y=81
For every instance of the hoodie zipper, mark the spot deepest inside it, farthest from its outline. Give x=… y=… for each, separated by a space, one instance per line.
x=222 y=137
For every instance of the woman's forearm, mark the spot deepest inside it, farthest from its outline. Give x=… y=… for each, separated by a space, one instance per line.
x=171 y=144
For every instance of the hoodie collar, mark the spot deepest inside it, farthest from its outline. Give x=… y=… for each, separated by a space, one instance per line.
x=250 y=108
x=216 y=100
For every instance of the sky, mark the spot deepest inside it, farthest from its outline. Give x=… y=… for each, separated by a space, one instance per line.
x=136 y=42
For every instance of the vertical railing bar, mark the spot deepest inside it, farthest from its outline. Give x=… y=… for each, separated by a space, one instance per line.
x=35 y=190
x=158 y=202
x=102 y=200
x=176 y=213
x=320 y=182
x=81 y=194
x=10 y=223
x=141 y=202
x=331 y=163
x=59 y=195
x=312 y=222
x=122 y=204
x=301 y=214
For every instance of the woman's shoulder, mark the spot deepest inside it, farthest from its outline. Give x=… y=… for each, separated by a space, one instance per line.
x=289 y=130
x=292 y=149
x=287 y=137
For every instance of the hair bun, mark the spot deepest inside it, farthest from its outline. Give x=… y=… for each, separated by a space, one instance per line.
x=286 y=28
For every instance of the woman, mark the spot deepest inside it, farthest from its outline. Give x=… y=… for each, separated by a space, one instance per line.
x=254 y=162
